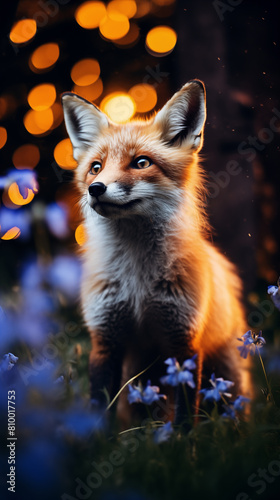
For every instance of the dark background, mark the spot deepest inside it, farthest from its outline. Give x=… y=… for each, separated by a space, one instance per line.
x=234 y=48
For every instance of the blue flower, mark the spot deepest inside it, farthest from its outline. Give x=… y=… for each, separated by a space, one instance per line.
x=11 y=218
x=147 y=396
x=219 y=388
x=163 y=433
x=64 y=274
x=25 y=179
x=80 y=423
x=274 y=291
x=274 y=364
x=57 y=220
x=250 y=341
x=151 y=394
x=237 y=405
x=8 y=362
x=177 y=374
x=134 y=394
x=240 y=402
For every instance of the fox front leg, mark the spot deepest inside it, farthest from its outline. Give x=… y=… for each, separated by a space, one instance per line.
x=105 y=367
x=109 y=339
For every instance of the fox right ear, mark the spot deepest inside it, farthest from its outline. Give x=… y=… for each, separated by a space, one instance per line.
x=83 y=121
x=181 y=120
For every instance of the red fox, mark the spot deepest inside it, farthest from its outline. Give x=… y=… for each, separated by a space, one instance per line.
x=153 y=285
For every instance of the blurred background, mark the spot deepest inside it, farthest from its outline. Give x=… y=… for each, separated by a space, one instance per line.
x=128 y=57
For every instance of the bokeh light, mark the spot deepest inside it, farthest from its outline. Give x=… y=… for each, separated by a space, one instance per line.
x=143 y=8
x=161 y=40
x=89 y=14
x=81 y=235
x=57 y=112
x=144 y=96
x=126 y=7
x=118 y=106
x=11 y=234
x=3 y=107
x=85 y=72
x=163 y=3
x=3 y=137
x=26 y=157
x=63 y=155
x=42 y=96
x=38 y=122
x=114 y=26
x=44 y=57
x=90 y=92
x=130 y=38
x=17 y=198
x=23 y=30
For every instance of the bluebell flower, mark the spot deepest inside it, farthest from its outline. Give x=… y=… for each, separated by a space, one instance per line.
x=163 y=433
x=15 y=218
x=64 y=274
x=134 y=394
x=274 y=291
x=240 y=402
x=60 y=380
x=147 y=396
x=177 y=374
x=80 y=423
x=56 y=217
x=250 y=341
x=25 y=179
x=273 y=364
x=8 y=362
x=237 y=405
x=218 y=389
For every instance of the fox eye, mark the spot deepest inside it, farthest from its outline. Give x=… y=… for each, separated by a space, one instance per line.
x=141 y=162
x=95 y=168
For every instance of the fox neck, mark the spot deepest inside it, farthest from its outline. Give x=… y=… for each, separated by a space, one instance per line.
x=151 y=241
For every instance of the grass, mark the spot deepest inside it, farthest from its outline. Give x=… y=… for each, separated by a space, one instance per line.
x=64 y=453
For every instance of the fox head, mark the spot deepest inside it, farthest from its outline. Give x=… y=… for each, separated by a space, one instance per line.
x=141 y=167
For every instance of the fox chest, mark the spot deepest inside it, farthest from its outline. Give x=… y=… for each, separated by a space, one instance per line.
x=140 y=295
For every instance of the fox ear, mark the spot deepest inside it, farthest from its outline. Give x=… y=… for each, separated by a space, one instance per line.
x=182 y=118
x=83 y=121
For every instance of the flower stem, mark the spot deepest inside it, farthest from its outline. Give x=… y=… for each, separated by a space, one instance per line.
x=149 y=412
x=270 y=395
x=187 y=402
x=129 y=381
x=223 y=399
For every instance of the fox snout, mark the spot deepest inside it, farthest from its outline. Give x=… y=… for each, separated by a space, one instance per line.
x=97 y=189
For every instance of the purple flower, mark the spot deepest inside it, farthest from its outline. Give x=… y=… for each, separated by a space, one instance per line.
x=177 y=374
x=80 y=423
x=274 y=291
x=240 y=402
x=11 y=218
x=134 y=394
x=57 y=220
x=25 y=179
x=8 y=362
x=237 y=405
x=147 y=396
x=64 y=275
x=219 y=388
x=163 y=433
x=250 y=341
x=274 y=364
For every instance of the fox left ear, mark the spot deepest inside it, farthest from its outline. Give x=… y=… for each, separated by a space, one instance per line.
x=83 y=120
x=182 y=118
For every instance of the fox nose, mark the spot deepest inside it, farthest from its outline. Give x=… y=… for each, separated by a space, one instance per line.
x=97 y=189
